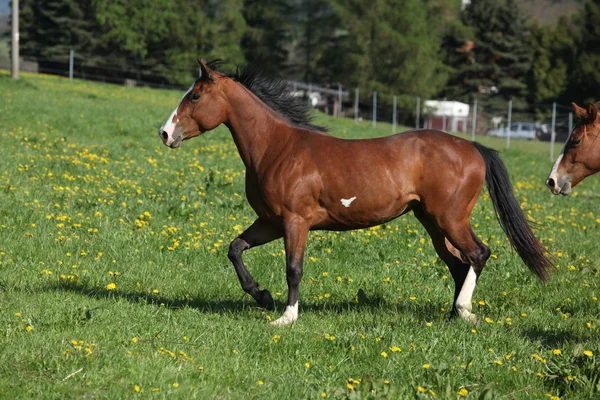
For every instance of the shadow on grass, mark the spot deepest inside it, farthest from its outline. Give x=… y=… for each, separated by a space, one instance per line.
x=429 y=311
x=551 y=338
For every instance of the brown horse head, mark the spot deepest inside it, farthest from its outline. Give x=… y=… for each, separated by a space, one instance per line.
x=202 y=108
x=580 y=156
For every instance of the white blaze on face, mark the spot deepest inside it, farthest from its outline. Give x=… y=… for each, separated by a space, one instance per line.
x=170 y=126
x=346 y=202
x=558 y=181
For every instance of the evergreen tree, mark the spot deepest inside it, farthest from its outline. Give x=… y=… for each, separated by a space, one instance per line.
x=551 y=48
x=495 y=67
x=585 y=77
x=388 y=46
x=203 y=29
x=268 y=33
x=49 y=29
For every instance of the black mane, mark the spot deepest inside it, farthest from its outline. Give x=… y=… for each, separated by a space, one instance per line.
x=276 y=94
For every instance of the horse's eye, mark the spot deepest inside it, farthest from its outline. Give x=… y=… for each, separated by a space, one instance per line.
x=575 y=142
x=194 y=96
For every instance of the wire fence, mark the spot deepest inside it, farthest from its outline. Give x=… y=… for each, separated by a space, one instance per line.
x=550 y=122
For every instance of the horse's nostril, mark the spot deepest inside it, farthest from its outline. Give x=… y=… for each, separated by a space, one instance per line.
x=550 y=183
x=164 y=135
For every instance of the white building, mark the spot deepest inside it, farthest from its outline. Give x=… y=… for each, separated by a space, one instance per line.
x=446 y=115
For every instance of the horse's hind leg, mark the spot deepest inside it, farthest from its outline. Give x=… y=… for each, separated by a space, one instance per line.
x=260 y=232
x=464 y=254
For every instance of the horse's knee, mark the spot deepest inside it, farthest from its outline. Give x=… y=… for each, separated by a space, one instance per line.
x=482 y=254
x=236 y=248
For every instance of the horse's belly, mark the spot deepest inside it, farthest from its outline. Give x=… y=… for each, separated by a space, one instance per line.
x=358 y=212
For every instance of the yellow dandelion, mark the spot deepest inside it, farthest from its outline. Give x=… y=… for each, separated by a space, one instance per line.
x=556 y=352
x=463 y=392
x=384 y=354
x=111 y=286
x=588 y=353
x=421 y=389
x=30 y=328
x=137 y=388
x=426 y=366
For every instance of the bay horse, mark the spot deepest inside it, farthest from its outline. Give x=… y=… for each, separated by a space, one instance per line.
x=299 y=178
x=580 y=156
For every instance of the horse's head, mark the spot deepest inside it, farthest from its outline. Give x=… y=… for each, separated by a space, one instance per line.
x=201 y=109
x=580 y=156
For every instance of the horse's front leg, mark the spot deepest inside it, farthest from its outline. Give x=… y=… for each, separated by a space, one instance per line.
x=260 y=232
x=296 y=233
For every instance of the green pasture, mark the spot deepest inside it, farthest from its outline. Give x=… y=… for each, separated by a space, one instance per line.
x=115 y=282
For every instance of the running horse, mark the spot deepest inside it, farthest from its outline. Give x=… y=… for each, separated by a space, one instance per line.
x=580 y=156
x=299 y=178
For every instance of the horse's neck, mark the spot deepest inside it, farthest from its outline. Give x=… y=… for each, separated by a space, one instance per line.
x=256 y=128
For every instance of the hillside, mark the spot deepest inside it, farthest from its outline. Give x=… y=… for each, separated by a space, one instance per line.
x=549 y=11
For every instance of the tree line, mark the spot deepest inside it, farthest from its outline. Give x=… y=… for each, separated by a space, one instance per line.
x=490 y=51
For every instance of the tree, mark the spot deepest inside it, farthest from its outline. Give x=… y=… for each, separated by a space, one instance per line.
x=203 y=29
x=268 y=33
x=49 y=29
x=586 y=71
x=551 y=49
x=388 y=46
x=495 y=64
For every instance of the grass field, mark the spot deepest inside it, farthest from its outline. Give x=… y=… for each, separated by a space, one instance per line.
x=115 y=281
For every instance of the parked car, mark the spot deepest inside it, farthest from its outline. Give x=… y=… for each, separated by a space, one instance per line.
x=522 y=130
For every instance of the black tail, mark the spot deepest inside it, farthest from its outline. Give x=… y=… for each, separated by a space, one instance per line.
x=511 y=217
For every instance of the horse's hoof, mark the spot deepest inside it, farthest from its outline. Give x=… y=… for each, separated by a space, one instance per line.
x=265 y=300
x=283 y=321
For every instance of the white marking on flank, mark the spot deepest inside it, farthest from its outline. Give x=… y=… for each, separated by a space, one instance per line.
x=290 y=315
x=347 y=202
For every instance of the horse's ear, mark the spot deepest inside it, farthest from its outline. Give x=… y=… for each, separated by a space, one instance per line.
x=592 y=111
x=580 y=112
x=205 y=71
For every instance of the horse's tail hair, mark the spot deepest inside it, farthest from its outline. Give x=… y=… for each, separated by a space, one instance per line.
x=513 y=221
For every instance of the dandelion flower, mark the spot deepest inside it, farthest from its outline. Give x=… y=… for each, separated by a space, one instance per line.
x=111 y=286
x=588 y=353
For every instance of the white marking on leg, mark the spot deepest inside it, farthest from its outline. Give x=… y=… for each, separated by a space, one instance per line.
x=347 y=202
x=290 y=315
x=463 y=302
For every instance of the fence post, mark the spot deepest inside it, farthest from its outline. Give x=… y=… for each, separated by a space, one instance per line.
x=71 y=56
x=553 y=133
x=15 y=40
x=356 y=105
x=474 y=123
x=570 y=122
x=394 y=116
x=418 y=113
x=374 y=109
x=444 y=115
x=340 y=101
x=508 y=125
x=308 y=95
